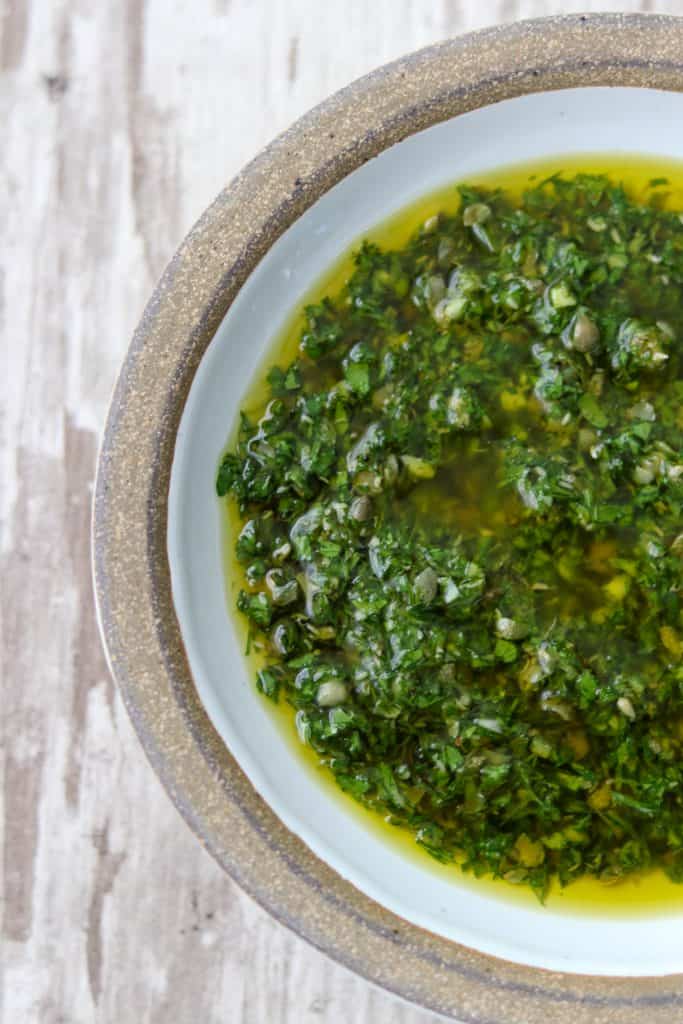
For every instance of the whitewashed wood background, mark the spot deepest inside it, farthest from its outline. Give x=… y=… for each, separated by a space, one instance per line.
x=121 y=119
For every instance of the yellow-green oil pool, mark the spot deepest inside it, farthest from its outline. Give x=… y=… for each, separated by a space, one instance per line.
x=652 y=893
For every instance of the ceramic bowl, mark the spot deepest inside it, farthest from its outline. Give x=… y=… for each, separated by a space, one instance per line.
x=535 y=90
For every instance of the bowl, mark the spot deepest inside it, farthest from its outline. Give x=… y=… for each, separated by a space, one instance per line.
x=536 y=90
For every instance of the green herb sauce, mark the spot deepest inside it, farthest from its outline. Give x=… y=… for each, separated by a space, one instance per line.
x=461 y=538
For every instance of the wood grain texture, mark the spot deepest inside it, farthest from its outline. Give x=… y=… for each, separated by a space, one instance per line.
x=122 y=119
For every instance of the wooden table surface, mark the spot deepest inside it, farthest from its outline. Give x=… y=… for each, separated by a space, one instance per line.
x=122 y=119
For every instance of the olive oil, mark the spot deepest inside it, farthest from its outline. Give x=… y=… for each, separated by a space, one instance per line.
x=466 y=498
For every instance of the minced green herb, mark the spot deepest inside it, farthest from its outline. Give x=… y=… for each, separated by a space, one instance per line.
x=462 y=540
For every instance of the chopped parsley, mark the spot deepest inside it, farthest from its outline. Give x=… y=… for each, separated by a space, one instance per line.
x=461 y=533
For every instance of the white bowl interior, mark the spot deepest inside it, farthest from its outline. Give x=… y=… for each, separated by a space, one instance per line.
x=531 y=127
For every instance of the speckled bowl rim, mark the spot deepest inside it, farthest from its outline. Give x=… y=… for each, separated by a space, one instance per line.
x=131 y=573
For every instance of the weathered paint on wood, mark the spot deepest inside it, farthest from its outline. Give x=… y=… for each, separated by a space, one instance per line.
x=121 y=120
